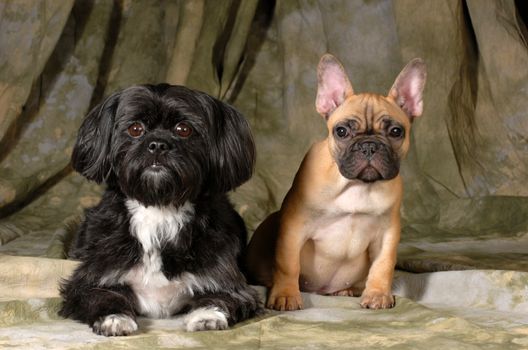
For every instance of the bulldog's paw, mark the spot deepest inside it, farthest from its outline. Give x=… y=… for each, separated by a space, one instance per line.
x=205 y=319
x=284 y=299
x=377 y=300
x=115 y=325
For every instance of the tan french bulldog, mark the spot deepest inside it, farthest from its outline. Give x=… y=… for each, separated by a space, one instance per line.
x=338 y=228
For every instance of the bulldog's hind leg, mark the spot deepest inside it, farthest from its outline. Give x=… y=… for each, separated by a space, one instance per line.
x=349 y=292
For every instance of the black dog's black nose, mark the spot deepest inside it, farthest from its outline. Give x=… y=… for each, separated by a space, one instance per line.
x=368 y=148
x=158 y=147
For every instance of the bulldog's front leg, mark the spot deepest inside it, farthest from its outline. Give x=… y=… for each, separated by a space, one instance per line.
x=378 y=289
x=285 y=293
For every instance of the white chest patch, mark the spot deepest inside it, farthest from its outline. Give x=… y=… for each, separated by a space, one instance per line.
x=154 y=225
x=158 y=297
x=357 y=216
x=363 y=200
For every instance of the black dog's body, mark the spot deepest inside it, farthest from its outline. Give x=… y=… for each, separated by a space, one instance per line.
x=207 y=246
x=164 y=239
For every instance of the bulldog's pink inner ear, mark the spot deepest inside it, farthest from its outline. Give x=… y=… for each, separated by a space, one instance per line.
x=407 y=90
x=333 y=85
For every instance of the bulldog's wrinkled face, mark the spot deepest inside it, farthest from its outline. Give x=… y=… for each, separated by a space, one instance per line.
x=368 y=134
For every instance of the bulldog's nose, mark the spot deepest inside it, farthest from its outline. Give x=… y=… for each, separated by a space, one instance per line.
x=368 y=148
x=158 y=147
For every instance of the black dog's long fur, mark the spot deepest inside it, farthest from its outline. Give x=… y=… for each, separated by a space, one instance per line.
x=199 y=169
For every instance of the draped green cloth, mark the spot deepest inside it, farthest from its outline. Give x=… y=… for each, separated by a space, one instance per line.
x=466 y=193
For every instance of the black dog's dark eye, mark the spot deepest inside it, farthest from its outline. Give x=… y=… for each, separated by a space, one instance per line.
x=396 y=131
x=341 y=131
x=183 y=129
x=136 y=130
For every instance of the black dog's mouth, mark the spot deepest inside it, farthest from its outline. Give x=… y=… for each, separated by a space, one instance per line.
x=155 y=164
x=156 y=167
x=159 y=181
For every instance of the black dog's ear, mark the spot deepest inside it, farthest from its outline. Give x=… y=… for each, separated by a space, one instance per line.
x=91 y=153
x=232 y=150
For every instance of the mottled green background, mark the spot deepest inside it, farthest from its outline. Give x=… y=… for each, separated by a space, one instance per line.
x=466 y=193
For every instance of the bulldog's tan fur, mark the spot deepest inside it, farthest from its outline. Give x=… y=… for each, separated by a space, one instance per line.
x=339 y=226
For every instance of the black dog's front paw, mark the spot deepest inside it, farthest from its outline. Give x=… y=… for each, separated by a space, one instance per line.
x=115 y=325
x=205 y=319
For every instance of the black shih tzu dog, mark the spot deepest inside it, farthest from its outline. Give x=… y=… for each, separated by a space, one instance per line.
x=164 y=239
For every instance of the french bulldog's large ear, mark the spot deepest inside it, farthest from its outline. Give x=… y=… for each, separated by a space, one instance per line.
x=407 y=90
x=232 y=149
x=333 y=86
x=91 y=153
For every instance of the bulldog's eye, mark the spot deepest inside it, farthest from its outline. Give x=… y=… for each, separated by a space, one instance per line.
x=136 y=130
x=396 y=132
x=341 y=132
x=183 y=129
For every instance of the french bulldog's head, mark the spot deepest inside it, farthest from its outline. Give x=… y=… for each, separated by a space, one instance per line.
x=369 y=133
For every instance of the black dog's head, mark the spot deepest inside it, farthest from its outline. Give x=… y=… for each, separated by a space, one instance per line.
x=164 y=144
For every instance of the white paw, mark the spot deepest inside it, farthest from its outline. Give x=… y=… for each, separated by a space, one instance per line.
x=206 y=318
x=115 y=325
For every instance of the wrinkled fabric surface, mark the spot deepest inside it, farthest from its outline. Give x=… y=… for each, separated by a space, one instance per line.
x=466 y=199
x=482 y=310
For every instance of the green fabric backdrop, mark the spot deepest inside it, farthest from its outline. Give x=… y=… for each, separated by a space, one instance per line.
x=466 y=199
x=466 y=193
